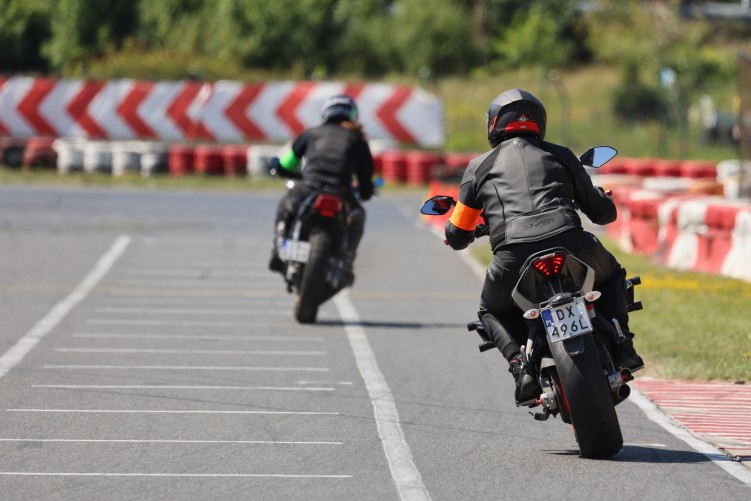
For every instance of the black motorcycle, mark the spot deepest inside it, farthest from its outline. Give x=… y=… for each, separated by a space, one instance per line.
x=313 y=249
x=570 y=348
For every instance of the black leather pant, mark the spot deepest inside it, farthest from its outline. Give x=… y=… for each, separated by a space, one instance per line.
x=290 y=203
x=503 y=320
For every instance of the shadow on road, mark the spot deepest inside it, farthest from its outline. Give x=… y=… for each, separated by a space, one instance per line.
x=647 y=454
x=392 y=325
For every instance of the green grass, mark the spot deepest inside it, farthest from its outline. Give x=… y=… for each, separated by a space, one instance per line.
x=10 y=176
x=693 y=326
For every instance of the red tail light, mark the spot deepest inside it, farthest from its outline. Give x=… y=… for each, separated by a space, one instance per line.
x=549 y=265
x=328 y=205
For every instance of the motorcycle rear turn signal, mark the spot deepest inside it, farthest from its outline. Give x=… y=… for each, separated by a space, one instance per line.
x=531 y=314
x=592 y=296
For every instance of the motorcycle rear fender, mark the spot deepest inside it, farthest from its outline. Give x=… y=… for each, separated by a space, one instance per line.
x=574 y=345
x=534 y=288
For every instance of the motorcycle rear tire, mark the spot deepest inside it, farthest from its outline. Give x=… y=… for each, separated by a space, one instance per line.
x=313 y=285
x=590 y=403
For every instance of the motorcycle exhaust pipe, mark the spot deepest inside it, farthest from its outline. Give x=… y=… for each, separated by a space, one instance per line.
x=624 y=391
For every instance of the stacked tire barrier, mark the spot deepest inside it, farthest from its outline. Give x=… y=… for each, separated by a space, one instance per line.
x=688 y=215
x=134 y=157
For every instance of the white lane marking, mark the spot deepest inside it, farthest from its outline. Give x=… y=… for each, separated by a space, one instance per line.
x=200 y=475
x=190 y=368
x=176 y=324
x=270 y=293
x=141 y=411
x=249 y=311
x=197 y=273
x=191 y=352
x=194 y=283
x=719 y=458
x=43 y=327
x=226 y=301
x=127 y=441
x=325 y=382
x=107 y=335
x=171 y=387
x=406 y=476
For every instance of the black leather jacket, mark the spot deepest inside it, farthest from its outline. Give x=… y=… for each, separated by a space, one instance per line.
x=333 y=155
x=529 y=190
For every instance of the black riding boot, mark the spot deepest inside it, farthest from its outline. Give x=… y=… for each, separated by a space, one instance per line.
x=275 y=263
x=526 y=385
x=626 y=355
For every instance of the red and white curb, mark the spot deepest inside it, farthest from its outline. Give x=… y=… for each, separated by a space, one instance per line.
x=718 y=412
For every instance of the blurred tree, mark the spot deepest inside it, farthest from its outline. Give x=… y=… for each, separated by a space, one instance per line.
x=363 y=48
x=277 y=35
x=82 y=29
x=541 y=34
x=24 y=28
x=438 y=39
x=173 y=24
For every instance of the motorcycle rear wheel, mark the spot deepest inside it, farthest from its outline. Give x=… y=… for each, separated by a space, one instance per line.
x=313 y=285
x=590 y=403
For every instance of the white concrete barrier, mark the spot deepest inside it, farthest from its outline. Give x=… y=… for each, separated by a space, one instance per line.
x=69 y=154
x=126 y=157
x=97 y=157
x=153 y=158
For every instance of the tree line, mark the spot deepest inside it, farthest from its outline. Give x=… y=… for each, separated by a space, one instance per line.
x=369 y=37
x=320 y=39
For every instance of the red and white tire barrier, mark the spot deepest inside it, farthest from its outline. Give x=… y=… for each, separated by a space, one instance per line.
x=685 y=231
x=222 y=111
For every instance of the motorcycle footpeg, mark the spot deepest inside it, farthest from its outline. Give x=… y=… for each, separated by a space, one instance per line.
x=633 y=281
x=534 y=402
x=486 y=345
x=540 y=416
x=635 y=306
x=473 y=326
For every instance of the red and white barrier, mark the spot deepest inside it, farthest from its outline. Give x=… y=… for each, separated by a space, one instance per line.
x=685 y=231
x=222 y=111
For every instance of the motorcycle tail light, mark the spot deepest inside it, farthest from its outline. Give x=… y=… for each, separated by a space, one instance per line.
x=550 y=265
x=328 y=205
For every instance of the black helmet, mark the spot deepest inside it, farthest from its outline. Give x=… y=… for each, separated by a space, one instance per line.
x=515 y=112
x=338 y=108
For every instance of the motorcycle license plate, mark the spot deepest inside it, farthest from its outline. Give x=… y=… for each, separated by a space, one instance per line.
x=567 y=321
x=294 y=250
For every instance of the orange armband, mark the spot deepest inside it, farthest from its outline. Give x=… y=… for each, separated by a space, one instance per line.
x=465 y=217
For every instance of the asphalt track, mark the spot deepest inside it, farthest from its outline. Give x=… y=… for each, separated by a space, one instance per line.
x=146 y=352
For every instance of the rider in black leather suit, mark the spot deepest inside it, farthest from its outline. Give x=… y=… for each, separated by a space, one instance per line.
x=334 y=152
x=529 y=191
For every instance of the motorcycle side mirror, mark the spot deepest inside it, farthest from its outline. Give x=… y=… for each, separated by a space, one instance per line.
x=437 y=206
x=598 y=156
